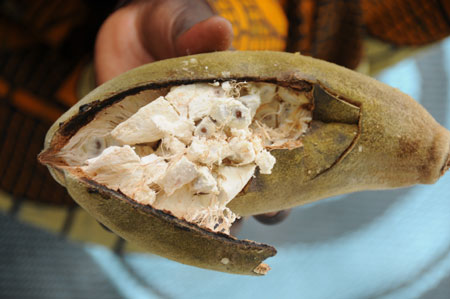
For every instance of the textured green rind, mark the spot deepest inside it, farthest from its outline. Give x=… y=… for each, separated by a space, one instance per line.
x=396 y=143
x=401 y=143
x=166 y=235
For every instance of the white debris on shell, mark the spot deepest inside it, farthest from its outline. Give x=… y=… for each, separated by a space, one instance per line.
x=265 y=162
x=208 y=151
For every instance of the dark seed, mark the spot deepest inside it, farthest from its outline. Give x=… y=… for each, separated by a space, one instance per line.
x=92 y=191
x=238 y=114
x=156 y=144
x=98 y=145
x=226 y=161
x=203 y=130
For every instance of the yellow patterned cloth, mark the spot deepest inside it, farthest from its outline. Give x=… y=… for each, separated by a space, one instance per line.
x=257 y=25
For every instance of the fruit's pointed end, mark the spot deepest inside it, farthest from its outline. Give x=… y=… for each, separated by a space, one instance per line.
x=261 y=269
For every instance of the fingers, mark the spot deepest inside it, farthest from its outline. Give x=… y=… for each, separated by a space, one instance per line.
x=118 y=47
x=273 y=218
x=179 y=27
x=267 y=218
x=150 y=30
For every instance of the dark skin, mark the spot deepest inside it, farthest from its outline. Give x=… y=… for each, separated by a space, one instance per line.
x=149 y=30
x=146 y=31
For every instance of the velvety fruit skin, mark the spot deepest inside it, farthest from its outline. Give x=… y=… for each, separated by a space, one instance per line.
x=365 y=135
x=165 y=235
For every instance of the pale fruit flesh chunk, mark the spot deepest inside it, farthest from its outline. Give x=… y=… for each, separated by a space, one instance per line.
x=190 y=151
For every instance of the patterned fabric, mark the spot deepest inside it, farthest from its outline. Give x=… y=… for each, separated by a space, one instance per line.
x=333 y=29
x=329 y=30
x=44 y=45
x=407 y=22
x=257 y=25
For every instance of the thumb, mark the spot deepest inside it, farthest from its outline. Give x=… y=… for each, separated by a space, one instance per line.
x=213 y=34
x=179 y=27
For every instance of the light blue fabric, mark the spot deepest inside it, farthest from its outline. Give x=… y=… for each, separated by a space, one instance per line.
x=385 y=244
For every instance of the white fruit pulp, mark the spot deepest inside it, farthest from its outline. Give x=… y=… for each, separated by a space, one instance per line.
x=192 y=150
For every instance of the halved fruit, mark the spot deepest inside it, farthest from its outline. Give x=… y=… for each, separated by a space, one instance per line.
x=170 y=154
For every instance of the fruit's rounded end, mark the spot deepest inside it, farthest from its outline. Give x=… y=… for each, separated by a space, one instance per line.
x=446 y=165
